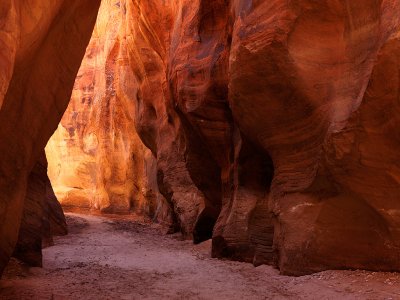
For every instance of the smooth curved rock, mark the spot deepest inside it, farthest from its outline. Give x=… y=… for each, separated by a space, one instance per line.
x=42 y=46
x=271 y=126
x=187 y=175
x=296 y=82
x=293 y=73
x=42 y=217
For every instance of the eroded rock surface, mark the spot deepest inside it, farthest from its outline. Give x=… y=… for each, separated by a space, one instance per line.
x=42 y=44
x=97 y=161
x=299 y=81
x=42 y=217
x=270 y=127
x=261 y=98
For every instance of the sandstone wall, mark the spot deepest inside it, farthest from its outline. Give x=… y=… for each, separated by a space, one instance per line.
x=42 y=44
x=252 y=111
x=42 y=217
x=270 y=125
x=253 y=102
x=300 y=76
x=96 y=159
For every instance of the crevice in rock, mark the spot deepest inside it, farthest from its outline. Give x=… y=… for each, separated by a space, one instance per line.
x=247 y=232
x=206 y=175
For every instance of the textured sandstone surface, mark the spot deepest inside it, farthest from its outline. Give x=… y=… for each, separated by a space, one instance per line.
x=42 y=217
x=297 y=90
x=254 y=102
x=42 y=44
x=187 y=175
x=258 y=115
x=269 y=126
x=96 y=158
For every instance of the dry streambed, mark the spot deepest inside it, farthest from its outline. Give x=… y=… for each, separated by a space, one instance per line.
x=126 y=258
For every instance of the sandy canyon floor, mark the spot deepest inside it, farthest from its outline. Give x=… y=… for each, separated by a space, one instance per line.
x=125 y=258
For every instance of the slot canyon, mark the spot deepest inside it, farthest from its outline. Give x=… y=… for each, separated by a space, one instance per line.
x=204 y=149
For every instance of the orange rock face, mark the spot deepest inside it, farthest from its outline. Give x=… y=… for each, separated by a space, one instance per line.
x=248 y=107
x=187 y=173
x=42 y=45
x=97 y=160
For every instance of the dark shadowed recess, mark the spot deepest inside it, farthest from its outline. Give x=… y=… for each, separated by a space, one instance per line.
x=206 y=175
x=252 y=177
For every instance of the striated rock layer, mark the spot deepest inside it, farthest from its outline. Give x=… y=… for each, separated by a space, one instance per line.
x=188 y=176
x=300 y=86
x=250 y=108
x=97 y=161
x=42 y=217
x=42 y=44
x=272 y=124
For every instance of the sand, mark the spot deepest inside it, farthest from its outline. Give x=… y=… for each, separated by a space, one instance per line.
x=118 y=257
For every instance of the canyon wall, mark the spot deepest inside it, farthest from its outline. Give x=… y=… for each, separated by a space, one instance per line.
x=42 y=217
x=260 y=113
x=268 y=126
x=42 y=45
x=300 y=87
x=96 y=159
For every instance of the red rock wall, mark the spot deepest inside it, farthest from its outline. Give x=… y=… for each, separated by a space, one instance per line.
x=296 y=82
x=244 y=104
x=272 y=125
x=42 y=44
x=42 y=217
x=248 y=100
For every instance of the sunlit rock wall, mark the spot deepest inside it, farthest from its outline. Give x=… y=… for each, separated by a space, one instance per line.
x=96 y=159
x=261 y=116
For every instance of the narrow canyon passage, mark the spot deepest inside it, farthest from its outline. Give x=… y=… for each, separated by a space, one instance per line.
x=212 y=148
x=122 y=258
